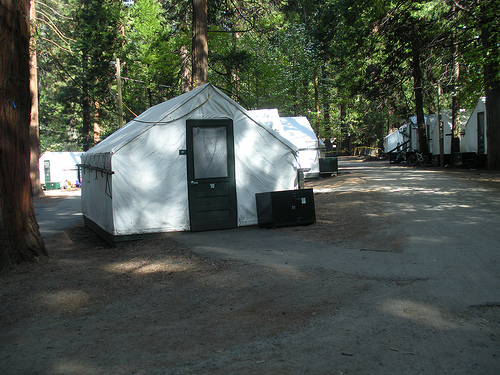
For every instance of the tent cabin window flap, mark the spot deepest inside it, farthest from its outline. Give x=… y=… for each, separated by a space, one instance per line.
x=87 y=170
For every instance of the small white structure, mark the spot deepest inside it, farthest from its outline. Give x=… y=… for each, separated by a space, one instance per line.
x=403 y=139
x=393 y=141
x=59 y=167
x=194 y=162
x=298 y=131
x=473 y=136
x=433 y=139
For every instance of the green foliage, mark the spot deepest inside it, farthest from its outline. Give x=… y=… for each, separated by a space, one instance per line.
x=58 y=96
x=150 y=64
x=264 y=54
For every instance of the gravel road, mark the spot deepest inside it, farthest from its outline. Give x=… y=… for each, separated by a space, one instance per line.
x=430 y=225
x=400 y=275
x=431 y=251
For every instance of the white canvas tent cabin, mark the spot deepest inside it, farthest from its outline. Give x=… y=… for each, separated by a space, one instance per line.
x=59 y=169
x=403 y=139
x=473 y=136
x=473 y=139
x=299 y=132
x=194 y=162
x=433 y=138
x=393 y=142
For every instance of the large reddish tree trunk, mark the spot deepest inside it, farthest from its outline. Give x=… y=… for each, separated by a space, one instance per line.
x=200 y=43
x=36 y=187
x=186 y=67
x=20 y=238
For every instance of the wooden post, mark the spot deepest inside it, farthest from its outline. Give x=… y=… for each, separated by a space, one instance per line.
x=119 y=88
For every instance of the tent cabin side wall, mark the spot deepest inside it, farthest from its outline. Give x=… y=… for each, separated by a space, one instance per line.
x=298 y=130
x=391 y=141
x=405 y=138
x=433 y=136
x=149 y=189
x=473 y=138
x=261 y=166
x=310 y=160
x=150 y=182
x=97 y=196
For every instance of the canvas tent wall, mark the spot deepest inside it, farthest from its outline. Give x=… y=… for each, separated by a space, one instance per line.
x=393 y=142
x=298 y=131
x=433 y=136
x=432 y=126
x=406 y=137
x=473 y=139
x=143 y=177
x=59 y=167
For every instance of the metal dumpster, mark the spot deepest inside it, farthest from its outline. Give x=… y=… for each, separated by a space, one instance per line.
x=328 y=166
x=52 y=185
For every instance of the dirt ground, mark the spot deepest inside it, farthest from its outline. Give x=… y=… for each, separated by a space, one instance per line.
x=154 y=307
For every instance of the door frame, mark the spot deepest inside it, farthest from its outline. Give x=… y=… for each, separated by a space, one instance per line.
x=199 y=183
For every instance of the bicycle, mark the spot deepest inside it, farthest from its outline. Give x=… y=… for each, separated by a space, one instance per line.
x=418 y=158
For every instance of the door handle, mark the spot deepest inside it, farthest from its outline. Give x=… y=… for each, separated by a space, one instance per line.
x=194 y=182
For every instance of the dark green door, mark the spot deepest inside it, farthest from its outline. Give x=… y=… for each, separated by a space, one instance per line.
x=480 y=133
x=211 y=180
x=46 y=170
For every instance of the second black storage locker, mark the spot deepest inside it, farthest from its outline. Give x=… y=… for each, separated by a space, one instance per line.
x=286 y=208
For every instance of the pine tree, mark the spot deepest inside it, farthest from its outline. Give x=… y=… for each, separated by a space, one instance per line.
x=20 y=238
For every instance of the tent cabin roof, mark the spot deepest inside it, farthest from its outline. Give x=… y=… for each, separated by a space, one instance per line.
x=168 y=112
x=296 y=129
x=480 y=103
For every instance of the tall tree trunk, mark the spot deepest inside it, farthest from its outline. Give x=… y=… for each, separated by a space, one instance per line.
x=85 y=104
x=418 y=90
x=20 y=238
x=455 y=99
x=316 y=90
x=119 y=90
x=36 y=187
x=390 y=113
x=186 y=66
x=326 y=113
x=235 y=77
x=316 y=103
x=97 y=126
x=345 y=138
x=200 y=43
x=491 y=85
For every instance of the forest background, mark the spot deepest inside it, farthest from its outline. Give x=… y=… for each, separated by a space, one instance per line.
x=355 y=68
